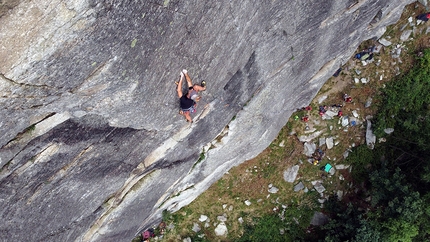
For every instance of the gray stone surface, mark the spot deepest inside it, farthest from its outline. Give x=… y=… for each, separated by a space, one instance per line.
x=222 y=218
x=309 y=148
x=370 y=137
x=196 y=227
x=329 y=142
x=405 y=35
x=91 y=145
x=299 y=186
x=221 y=229
x=291 y=173
x=384 y=42
x=389 y=130
x=273 y=190
x=318 y=186
x=203 y=218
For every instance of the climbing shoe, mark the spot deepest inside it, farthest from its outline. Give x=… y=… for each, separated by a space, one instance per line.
x=203 y=84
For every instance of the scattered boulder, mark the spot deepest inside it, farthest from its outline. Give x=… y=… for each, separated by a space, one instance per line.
x=221 y=229
x=377 y=48
x=321 y=141
x=345 y=121
x=309 y=149
x=341 y=167
x=370 y=137
x=282 y=144
x=188 y=239
x=273 y=190
x=318 y=186
x=389 y=130
x=196 y=227
x=321 y=99
x=384 y=42
x=203 y=218
x=291 y=173
x=222 y=218
x=299 y=187
x=329 y=142
x=345 y=154
x=240 y=220
x=307 y=138
x=368 y=102
x=247 y=203
x=339 y=194
x=405 y=35
x=355 y=113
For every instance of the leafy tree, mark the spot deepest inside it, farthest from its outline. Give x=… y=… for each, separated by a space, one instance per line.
x=406 y=106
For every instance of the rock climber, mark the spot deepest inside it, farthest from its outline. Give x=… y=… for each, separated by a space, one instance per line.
x=424 y=17
x=188 y=101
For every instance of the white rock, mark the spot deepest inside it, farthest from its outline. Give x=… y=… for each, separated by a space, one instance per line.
x=282 y=143
x=321 y=141
x=291 y=173
x=331 y=113
x=384 y=42
x=319 y=187
x=370 y=137
x=203 y=218
x=341 y=167
x=273 y=190
x=240 y=220
x=222 y=218
x=345 y=121
x=309 y=148
x=329 y=142
x=307 y=138
x=321 y=99
x=247 y=203
x=405 y=35
x=389 y=130
x=196 y=227
x=354 y=112
x=221 y=229
x=339 y=194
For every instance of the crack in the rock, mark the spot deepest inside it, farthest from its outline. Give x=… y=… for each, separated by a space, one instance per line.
x=25 y=84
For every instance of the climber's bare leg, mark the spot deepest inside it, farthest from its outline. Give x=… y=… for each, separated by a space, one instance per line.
x=179 y=87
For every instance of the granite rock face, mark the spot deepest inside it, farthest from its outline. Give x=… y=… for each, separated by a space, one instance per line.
x=92 y=146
